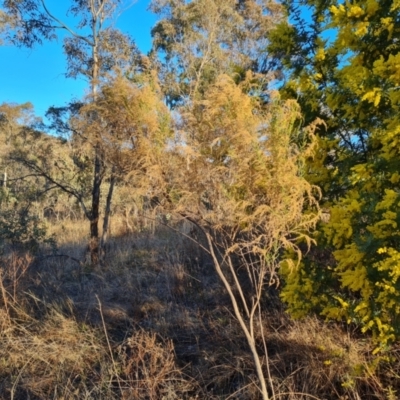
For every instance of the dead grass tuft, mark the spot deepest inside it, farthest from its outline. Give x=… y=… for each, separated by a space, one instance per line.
x=155 y=324
x=148 y=363
x=50 y=358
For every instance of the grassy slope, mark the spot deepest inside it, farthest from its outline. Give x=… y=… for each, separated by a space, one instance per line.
x=155 y=323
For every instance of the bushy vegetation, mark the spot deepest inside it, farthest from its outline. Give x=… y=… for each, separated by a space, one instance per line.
x=348 y=79
x=154 y=322
x=245 y=172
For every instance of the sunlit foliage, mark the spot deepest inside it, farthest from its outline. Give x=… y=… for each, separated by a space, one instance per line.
x=349 y=75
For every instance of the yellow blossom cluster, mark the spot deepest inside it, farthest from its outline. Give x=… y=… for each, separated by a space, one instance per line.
x=354 y=273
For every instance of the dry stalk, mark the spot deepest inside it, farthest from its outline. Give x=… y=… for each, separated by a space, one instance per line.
x=18 y=378
x=277 y=396
x=238 y=178
x=248 y=329
x=109 y=345
x=4 y=295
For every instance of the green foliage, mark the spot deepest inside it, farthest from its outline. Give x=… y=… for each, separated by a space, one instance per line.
x=201 y=39
x=236 y=173
x=6 y=23
x=20 y=229
x=352 y=81
x=21 y=192
x=242 y=165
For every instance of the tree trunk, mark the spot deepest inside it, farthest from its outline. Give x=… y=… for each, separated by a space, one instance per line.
x=94 y=244
x=248 y=329
x=107 y=212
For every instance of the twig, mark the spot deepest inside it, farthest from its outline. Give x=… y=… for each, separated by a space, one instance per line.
x=18 y=378
x=295 y=393
x=238 y=391
x=181 y=233
x=4 y=295
x=271 y=382
x=109 y=344
x=61 y=255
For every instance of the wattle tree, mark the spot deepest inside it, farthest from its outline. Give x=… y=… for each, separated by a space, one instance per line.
x=342 y=62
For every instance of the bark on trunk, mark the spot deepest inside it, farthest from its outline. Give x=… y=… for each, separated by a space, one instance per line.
x=248 y=329
x=5 y=180
x=95 y=213
x=107 y=212
x=94 y=244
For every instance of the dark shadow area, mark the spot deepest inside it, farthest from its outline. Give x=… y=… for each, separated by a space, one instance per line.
x=155 y=323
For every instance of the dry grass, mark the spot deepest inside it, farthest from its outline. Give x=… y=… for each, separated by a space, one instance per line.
x=155 y=324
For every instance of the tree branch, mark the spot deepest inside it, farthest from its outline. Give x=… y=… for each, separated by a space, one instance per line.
x=64 y=26
x=64 y=187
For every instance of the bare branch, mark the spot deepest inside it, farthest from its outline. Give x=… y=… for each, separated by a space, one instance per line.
x=64 y=26
x=63 y=186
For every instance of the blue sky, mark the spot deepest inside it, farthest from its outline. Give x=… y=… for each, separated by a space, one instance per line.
x=37 y=75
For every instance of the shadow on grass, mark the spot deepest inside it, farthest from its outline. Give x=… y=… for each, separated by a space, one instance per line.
x=155 y=323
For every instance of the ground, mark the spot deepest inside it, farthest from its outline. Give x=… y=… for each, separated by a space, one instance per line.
x=155 y=323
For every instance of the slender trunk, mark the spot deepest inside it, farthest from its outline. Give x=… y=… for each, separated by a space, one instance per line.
x=5 y=180
x=247 y=329
x=95 y=213
x=127 y=212
x=94 y=244
x=107 y=213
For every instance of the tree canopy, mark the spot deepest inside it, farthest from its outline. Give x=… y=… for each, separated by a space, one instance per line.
x=342 y=66
x=199 y=40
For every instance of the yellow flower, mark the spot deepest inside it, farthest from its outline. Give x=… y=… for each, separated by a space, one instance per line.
x=320 y=54
x=355 y=11
x=318 y=76
x=337 y=10
x=362 y=29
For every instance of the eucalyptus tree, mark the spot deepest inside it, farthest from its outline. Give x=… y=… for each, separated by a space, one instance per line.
x=198 y=40
x=23 y=193
x=6 y=23
x=13 y=119
x=93 y=49
x=17 y=123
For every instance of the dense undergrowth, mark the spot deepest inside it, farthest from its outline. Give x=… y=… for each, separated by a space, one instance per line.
x=155 y=323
